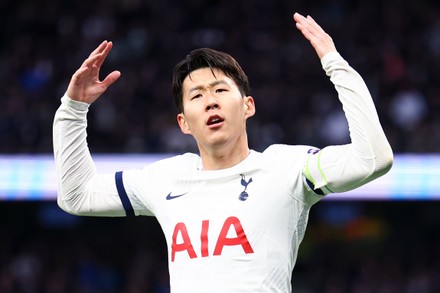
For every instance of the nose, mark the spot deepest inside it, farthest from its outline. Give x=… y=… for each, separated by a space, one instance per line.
x=212 y=103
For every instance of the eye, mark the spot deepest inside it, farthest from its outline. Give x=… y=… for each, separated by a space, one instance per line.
x=196 y=96
x=220 y=90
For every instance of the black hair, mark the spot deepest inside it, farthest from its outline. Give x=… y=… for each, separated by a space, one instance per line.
x=207 y=58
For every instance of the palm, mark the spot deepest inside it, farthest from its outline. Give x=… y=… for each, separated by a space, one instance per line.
x=85 y=85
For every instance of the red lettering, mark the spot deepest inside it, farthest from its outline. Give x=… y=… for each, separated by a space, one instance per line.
x=204 y=238
x=185 y=245
x=241 y=238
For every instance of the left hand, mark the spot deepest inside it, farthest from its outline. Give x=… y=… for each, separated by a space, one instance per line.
x=85 y=85
x=320 y=40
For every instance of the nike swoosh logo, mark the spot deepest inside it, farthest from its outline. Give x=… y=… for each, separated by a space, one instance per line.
x=169 y=196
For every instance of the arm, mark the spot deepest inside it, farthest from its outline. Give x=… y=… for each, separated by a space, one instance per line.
x=369 y=155
x=80 y=190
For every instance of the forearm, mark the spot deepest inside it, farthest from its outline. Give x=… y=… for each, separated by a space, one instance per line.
x=80 y=189
x=369 y=154
x=366 y=132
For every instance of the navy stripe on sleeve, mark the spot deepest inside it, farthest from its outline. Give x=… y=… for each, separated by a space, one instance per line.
x=123 y=195
x=318 y=191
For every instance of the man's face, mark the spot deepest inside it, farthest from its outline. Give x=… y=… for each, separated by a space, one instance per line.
x=214 y=111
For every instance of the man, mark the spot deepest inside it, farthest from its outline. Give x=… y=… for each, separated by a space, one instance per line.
x=233 y=218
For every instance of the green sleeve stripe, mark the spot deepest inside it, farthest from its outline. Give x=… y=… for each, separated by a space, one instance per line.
x=308 y=174
x=322 y=172
x=320 y=169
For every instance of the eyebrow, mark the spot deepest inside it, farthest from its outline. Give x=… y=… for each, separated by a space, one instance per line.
x=212 y=84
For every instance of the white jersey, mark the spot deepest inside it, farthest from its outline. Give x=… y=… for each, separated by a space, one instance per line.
x=231 y=230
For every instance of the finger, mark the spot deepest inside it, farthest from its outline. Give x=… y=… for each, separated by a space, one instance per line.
x=89 y=62
x=303 y=25
x=99 y=49
x=316 y=30
x=308 y=24
x=297 y=17
x=111 y=78
x=78 y=76
x=314 y=24
x=319 y=39
x=311 y=29
x=304 y=30
x=104 y=54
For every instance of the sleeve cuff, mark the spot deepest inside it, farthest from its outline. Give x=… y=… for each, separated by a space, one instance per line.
x=330 y=56
x=76 y=105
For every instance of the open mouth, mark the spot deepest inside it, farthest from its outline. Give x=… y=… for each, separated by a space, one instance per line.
x=214 y=120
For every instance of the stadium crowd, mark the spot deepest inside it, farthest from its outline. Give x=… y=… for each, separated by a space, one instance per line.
x=394 y=45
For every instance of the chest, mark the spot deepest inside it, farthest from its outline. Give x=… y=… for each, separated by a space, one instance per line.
x=230 y=214
x=242 y=194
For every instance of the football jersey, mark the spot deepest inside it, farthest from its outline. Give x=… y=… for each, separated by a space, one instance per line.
x=231 y=230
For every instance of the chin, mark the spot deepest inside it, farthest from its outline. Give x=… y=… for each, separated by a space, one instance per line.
x=215 y=142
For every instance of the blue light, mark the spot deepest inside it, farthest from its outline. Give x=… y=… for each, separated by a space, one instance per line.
x=413 y=177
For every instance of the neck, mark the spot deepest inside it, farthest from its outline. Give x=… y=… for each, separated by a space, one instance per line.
x=223 y=157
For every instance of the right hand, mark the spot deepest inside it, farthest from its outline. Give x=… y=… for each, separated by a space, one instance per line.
x=85 y=85
x=319 y=39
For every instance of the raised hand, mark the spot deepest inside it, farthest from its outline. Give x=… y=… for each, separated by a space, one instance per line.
x=85 y=85
x=319 y=39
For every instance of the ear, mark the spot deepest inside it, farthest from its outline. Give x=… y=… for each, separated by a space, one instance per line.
x=249 y=107
x=181 y=120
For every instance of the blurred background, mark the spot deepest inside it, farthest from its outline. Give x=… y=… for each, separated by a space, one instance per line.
x=350 y=246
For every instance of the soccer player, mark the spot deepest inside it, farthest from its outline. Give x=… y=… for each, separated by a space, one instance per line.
x=233 y=218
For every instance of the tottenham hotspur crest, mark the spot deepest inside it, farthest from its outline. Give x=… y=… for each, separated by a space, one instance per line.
x=244 y=195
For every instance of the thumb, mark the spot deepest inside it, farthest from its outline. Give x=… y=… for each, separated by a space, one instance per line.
x=111 y=78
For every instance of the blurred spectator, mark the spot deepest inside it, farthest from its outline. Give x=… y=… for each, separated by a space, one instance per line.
x=390 y=43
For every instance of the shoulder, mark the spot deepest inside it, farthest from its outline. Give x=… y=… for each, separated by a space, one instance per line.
x=185 y=161
x=286 y=157
x=166 y=169
x=294 y=151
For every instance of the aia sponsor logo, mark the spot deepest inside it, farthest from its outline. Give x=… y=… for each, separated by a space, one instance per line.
x=185 y=245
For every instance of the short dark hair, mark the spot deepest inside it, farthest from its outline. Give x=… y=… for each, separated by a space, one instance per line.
x=207 y=58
